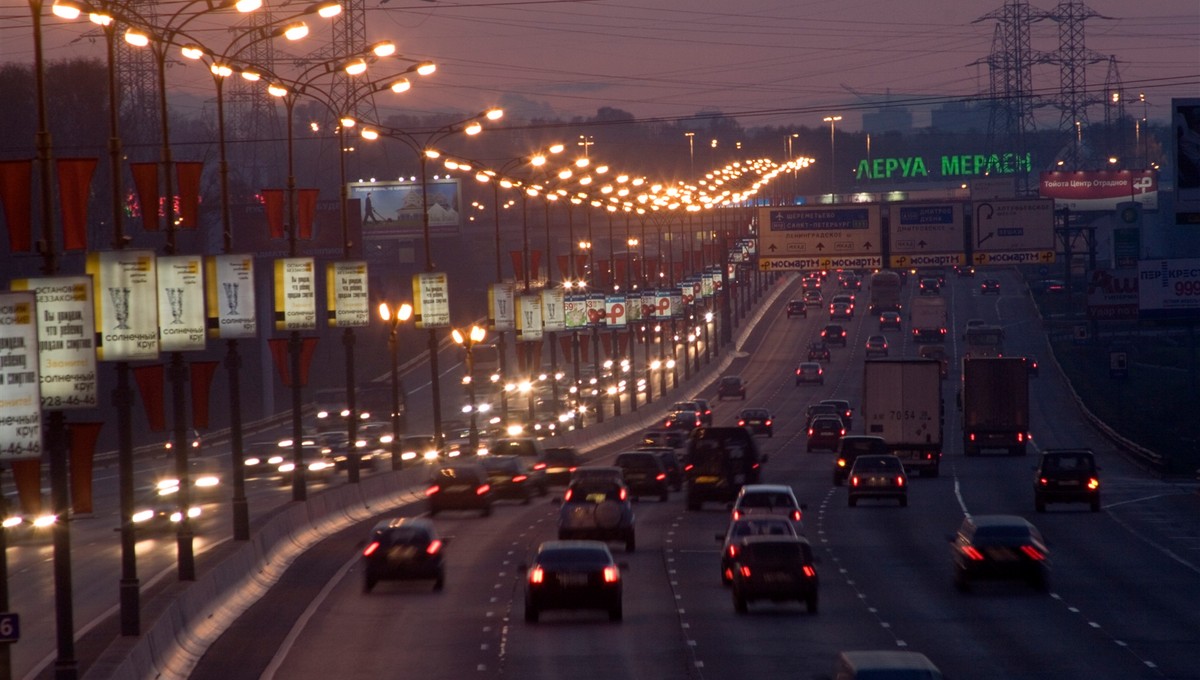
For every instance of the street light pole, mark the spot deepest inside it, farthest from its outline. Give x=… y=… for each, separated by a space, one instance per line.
x=394 y=316
x=832 y=120
x=468 y=340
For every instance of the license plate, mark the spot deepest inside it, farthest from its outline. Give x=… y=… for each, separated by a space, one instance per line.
x=877 y=482
x=1001 y=554
x=457 y=488
x=777 y=577
x=572 y=579
x=706 y=479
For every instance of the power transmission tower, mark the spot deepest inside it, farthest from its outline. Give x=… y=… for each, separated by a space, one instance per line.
x=137 y=82
x=1073 y=58
x=1114 y=110
x=252 y=115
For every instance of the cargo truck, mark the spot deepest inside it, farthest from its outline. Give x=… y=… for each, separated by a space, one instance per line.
x=902 y=403
x=885 y=292
x=995 y=404
x=927 y=319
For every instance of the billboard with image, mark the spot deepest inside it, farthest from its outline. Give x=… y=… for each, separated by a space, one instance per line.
x=393 y=208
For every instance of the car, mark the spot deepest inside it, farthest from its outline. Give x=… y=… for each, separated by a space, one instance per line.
x=262 y=459
x=731 y=386
x=318 y=466
x=610 y=473
x=813 y=296
x=597 y=509
x=994 y=547
x=529 y=448
x=818 y=351
x=205 y=477
x=877 y=345
x=418 y=447
x=404 y=549
x=971 y=324
x=930 y=286
x=1066 y=476
x=797 y=308
x=676 y=439
x=681 y=422
x=509 y=477
x=841 y=310
x=757 y=420
x=821 y=409
x=870 y=664
x=811 y=283
x=194 y=440
x=561 y=461
x=844 y=409
x=459 y=486
x=671 y=465
x=153 y=512
x=718 y=462
x=1053 y=287
x=686 y=408
x=852 y=282
x=810 y=372
x=877 y=477
x=936 y=352
x=368 y=454
x=749 y=525
x=890 y=321
x=834 y=334
x=776 y=568
x=964 y=270
x=824 y=433
x=850 y=448
x=643 y=474
x=846 y=298
x=1031 y=363
x=991 y=286
x=767 y=499
x=572 y=575
x=705 y=409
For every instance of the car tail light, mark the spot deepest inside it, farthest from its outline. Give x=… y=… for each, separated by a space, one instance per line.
x=854 y=480
x=755 y=466
x=667 y=422
x=733 y=551
x=737 y=514
x=660 y=476
x=432 y=490
x=841 y=462
x=537 y=575
x=796 y=515
x=567 y=495
x=842 y=432
x=517 y=479
x=370 y=550
x=539 y=466
x=1033 y=553
x=708 y=412
x=1020 y=436
x=741 y=422
x=688 y=467
x=434 y=546
x=624 y=493
x=820 y=371
x=899 y=480
x=972 y=553
x=611 y=574
x=768 y=423
x=1093 y=483
x=942 y=331
x=745 y=571
x=482 y=489
x=971 y=436
x=572 y=469
x=809 y=572
x=1042 y=481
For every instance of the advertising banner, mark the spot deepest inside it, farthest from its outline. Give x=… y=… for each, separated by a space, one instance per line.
x=20 y=403
x=66 y=329
x=394 y=208
x=1100 y=190
x=676 y=310
x=346 y=294
x=1168 y=289
x=687 y=292
x=230 y=282
x=596 y=310
x=552 y=311
x=707 y=289
x=431 y=293
x=1112 y=294
x=295 y=294
x=662 y=304
x=633 y=308
x=575 y=312
x=181 y=303
x=529 y=318
x=615 y=315
x=126 y=304
x=501 y=307
x=649 y=305
x=1185 y=142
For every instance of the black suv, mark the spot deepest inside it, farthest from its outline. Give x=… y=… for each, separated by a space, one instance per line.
x=774 y=568
x=644 y=474
x=797 y=308
x=818 y=351
x=1066 y=476
x=719 y=460
x=403 y=549
x=824 y=433
x=834 y=334
x=459 y=487
x=731 y=386
x=850 y=448
x=597 y=509
x=999 y=547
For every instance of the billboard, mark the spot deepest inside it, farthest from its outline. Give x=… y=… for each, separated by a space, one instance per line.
x=126 y=304
x=394 y=208
x=1100 y=190
x=66 y=335
x=431 y=292
x=1185 y=138
x=1168 y=289
x=819 y=237
x=1112 y=294
x=230 y=299
x=20 y=396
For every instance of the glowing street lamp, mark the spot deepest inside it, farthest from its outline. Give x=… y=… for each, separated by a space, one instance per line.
x=394 y=315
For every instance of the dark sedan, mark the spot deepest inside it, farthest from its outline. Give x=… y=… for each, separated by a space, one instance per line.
x=403 y=549
x=993 y=547
x=572 y=575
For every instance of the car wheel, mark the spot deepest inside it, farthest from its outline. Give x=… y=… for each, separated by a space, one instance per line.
x=811 y=603
x=904 y=501
x=851 y=501
x=615 y=612
x=1096 y=504
x=531 y=614
x=487 y=510
x=739 y=603
x=368 y=583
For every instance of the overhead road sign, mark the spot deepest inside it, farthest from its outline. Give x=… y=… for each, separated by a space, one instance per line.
x=926 y=235
x=1013 y=232
x=821 y=236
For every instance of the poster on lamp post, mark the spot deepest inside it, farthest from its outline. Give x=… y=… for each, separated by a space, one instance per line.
x=707 y=289
x=230 y=283
x=529 y=318
x=346 y=295
x=662 y=304
x=615 y=311
x=597 y=310
x=20 y=401
x=125 y=296
x=649 y=305
x=575 y=311
x=676 y=304
x=66 y=347
x=502 y=310
x=295 y=294
x=431 y=297
x=181 y=303
x=552 y=311
x=633 y=308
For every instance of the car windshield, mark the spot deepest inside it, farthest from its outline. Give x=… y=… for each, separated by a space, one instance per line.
x=573 y=558
x=636 y=461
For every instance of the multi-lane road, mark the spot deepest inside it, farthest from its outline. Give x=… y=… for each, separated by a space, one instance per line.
x=1121 y=603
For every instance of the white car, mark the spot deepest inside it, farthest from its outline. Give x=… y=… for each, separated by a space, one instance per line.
x=768 y=499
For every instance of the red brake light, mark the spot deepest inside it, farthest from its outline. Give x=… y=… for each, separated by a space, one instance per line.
x=842 y=432
x=768 y=422
x=810 y=432
x=737 y=514
x=624 y=493
x=741 y=422
x=517 y=479
x=1042 y=481
x=809 y=571
x=1093 y=483
x=432 y=490
x=537 y=575
x=854 y=481
x=371 y=549
x=567 y=495
x=539 y=466
x=687 y=467
x=434 y=546
x=660 y=476
x=796 y=515
x=972 y=553
x=611 y=574
x=745 y=571
x=899 y=480
x=972 y=436
x=1033 y=553
x=482 y=489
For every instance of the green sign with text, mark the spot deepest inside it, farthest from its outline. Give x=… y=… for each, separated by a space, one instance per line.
x=962 y=165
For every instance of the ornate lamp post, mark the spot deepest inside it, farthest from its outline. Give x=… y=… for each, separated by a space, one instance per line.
x=467 y=341
x=394 y=315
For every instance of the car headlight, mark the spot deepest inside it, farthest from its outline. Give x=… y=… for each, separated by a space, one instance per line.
x=142 y=516
x=287 y=467
x=168 y=485
x=275 y=460
x=208 y=481
x=12 y=522
x=44 y=521
x=252 y=461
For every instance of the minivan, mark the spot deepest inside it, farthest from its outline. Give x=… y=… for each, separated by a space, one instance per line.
x=719 y=460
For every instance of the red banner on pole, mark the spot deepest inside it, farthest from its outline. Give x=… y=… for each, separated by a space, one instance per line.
x=564 y=263
x=202 y=375
x=272 y=200
x=145 y=182
x=535 y=264
x=306 y=210
x=280 y=353
x=16 y=197
x=623 y=342
x=150 y=383
x=518 y=262
x=83 y=438
x=581 y=261
x=307 y=350
x=74 y=187
x=27 y=474
x=607 y=341
x=564 y=341
x=188 y=174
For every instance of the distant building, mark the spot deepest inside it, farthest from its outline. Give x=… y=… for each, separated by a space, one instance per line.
x=960 y=116
x=887 y=119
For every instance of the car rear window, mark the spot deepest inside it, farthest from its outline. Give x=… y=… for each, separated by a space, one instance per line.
x=779 y=551
x=1067 y=463
x=767 y=500
x=594 y=493
x=515 y=448
x=568 y=558
x=403 y=536
x=753 y=528
x=875 y=463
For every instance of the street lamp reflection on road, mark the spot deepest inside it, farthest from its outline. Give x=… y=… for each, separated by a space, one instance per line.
x=394 y=316
x=468 y=340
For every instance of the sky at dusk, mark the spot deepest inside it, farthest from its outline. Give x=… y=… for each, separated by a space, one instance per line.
x=771 y=62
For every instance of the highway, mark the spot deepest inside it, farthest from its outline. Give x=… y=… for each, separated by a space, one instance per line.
x=1121 y=602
